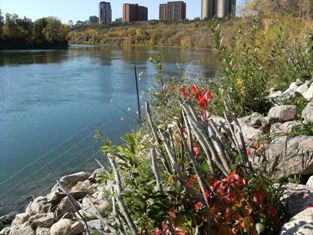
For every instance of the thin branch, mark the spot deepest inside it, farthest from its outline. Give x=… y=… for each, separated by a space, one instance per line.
x=155 y=169
x=119 y=199
x=72 y=199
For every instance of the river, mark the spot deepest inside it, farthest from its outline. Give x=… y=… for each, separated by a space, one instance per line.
x=52 y=102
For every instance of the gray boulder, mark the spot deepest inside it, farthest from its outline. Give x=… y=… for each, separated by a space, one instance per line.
x=21 y=218
x=5 y=221
x=42 y=220
x=70 y=180
x=5 y=231
x=39 y=205
x=95 y=225
x=284 y=128
x=285 y=157
x=66 y=205
x=307 y=113
x=300 y=224
x=283 y=113
x=296 y=198
x=22 y=229
x=81 y=189
x=252 y=127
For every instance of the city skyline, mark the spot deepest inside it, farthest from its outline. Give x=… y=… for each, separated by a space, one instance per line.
x=71 y=10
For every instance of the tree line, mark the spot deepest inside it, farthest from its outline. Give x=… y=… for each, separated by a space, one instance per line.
x=23 y=33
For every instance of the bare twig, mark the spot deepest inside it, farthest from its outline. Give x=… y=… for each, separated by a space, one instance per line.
x=72 y=199
x=154 y=132
x=155 y=169
x=119 y=199
x=98 y=215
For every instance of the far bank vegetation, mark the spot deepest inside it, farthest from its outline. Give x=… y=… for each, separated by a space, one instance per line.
x=296 y=15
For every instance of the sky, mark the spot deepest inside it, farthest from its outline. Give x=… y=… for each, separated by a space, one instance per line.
x=75 y=10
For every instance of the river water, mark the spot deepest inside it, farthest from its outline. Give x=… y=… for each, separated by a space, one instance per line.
x=52 y=102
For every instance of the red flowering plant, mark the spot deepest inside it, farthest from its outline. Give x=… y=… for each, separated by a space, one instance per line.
x=202 y=97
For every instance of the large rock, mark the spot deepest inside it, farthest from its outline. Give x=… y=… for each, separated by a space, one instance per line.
x=62 y=227
x=252 y=127
x=98 y=201
x=70 y=180
x=42 y=231
x=21 y=218
x=296 y=198
x=300 y=224
x=284 y=128
x=309 y=183
x=22 y=229
x=39 y=205
x=42 y=220
x=308 y=95
x=95 y=225
x=285 y=157
x=66 y=205
x=81 y=189
x=55 y=196
x=5 y=231
x=5 y=221
x=307 y=113
x=283 y=113
x=77 y=228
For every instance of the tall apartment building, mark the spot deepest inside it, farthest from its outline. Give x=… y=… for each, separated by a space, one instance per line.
x=218 y=8
x=93 y=20
x=173 y=11
x=208 y=9
x=134 y=12
x=105 y=13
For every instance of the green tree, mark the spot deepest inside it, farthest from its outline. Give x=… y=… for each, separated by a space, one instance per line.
x=1 y=24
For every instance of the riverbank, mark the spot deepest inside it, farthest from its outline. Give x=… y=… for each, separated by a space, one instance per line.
x=82 y=201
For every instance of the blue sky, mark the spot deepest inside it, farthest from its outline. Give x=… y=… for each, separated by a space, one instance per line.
x=81 y=10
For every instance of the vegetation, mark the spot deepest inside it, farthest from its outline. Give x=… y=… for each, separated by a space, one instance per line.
x=17 y=33
x=184 y=174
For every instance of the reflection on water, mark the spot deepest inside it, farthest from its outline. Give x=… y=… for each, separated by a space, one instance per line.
x=106 y=54
x=47 y=96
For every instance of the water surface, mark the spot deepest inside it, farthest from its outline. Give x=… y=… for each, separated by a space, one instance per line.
x=52 y=101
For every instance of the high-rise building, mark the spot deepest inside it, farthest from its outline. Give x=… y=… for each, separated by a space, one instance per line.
x=134 y=12
x=173 y=11
x=93 y=20
x=208 y=9
x=218 y=8
x=105 y=13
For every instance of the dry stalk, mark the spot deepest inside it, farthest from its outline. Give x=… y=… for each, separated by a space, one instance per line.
x=155 y=169
x=72 y=199
x=157 y=139
x=118 y=191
